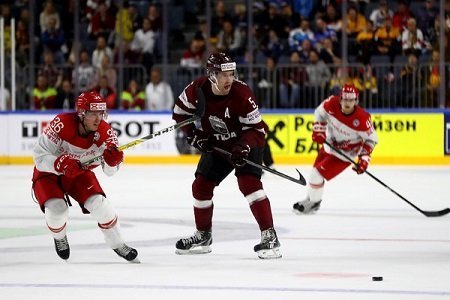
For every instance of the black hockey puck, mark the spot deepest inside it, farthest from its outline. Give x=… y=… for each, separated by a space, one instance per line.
x=377 y=278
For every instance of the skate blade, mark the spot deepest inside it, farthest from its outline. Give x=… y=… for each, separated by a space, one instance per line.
x=297 y=212
x=135 y=261
x=195 y=250
x=269 y=253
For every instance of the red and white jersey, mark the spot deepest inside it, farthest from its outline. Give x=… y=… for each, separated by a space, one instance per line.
x=61 y=137
x=352 y=134
x=228 y=118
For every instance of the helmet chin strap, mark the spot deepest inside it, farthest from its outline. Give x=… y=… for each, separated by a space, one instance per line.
x=86 y=132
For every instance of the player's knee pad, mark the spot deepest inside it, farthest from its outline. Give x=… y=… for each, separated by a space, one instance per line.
x=102 y=210
x=56 y=213
x=316 y=179
x=251 y=187
x=202 y=188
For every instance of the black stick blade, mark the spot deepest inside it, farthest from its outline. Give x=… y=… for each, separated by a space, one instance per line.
x=301 y=179
x=438 y=213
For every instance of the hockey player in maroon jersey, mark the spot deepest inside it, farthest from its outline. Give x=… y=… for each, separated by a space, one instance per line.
x=58 y=173
x=232 y=122
x=348 y=127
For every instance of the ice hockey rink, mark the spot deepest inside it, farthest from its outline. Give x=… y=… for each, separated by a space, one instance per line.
x=362 y=230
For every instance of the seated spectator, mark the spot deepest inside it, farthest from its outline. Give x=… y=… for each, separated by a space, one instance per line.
x=328 y=52
x=107 y=92
x=274 y=46
x=379 y=15
x=305 y=50
x=22 y=43
x=356 y=22
x=318 y=76
x=154 y=16
x=219 y=15
x=85 y=76
x=433 y=81
x=123 y=30
x=426 y=17
x=144 y=43
x=322 y=32
x=100 y=52
x=367 y=86
x=53 y=74
x=332 y=18
x=193 y=57
x=402 y=15
x=291 y=80
x=53 y=40
x=266 y=78
x=410 y=76
x=365 y=43
x=229 y=39
x=106 y=69
x=49 y=12
x=44 y=97
x=158 y=94
x=102 y=22
x=387 y=40
x=297 y=35
x=65 y=99
x=412 y=39
x=133 y=98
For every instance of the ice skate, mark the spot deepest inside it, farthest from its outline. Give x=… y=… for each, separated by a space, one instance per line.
x=199 y=243
x=128 y=253
x=62 y=248
x=306 y=207
x=269 y=248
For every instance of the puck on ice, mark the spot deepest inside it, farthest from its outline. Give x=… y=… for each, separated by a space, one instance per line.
x=377 y=278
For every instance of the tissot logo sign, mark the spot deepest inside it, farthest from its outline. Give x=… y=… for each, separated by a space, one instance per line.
x=30 y=129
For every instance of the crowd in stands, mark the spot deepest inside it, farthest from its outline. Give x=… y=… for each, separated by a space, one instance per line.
x=297 y=57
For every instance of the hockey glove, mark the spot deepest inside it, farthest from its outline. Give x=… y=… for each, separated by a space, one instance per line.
x=363 y=163
x=112 y=156
x=68 y=166
x=200 y=140
x=319 y=136
x=239 y=152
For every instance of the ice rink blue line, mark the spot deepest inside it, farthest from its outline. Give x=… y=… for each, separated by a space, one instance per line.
x=222 y=288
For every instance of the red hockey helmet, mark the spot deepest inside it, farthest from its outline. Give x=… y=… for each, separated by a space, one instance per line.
x=90 y=101
x=349 y=92
x=219 y=62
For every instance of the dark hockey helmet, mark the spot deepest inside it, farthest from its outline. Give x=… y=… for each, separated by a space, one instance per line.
x=219 y=62
x=90 y=101
x=349 y=92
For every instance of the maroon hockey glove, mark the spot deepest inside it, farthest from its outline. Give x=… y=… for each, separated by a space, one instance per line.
x=112 y=156
x=239 y=152
x=363 y=163
x=200 y=140
x=319 y=136
x=68 y=166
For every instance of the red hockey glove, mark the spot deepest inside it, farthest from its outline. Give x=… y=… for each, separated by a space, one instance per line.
x=239 y=152
x=112 y=156
x=363 y=163
x=68 y=166
x=319 y=136
x=200 y=140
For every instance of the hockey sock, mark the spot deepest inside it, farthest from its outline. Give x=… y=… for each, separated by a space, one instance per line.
x=315 y=186
x=252 y=189
x=103 y=211
x=202 y=191
x=56 y=214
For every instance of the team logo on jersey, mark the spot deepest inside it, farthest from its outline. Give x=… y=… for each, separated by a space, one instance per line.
x=96 y=136
x=356 y=122
x=218 y=125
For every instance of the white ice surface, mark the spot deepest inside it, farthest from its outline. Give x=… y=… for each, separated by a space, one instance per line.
x=362 y=230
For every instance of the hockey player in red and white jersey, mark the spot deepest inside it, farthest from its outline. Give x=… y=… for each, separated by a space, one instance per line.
x=348 y=127
x=232 y=122
x=69 y=139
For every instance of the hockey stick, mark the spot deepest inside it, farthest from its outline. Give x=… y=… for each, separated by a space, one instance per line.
x=199 y=112
x=301 y=179
x=438 y=213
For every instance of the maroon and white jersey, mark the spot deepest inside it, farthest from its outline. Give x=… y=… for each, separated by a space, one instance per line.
x=228 y=118
x=61 y=137
x=352 y=134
